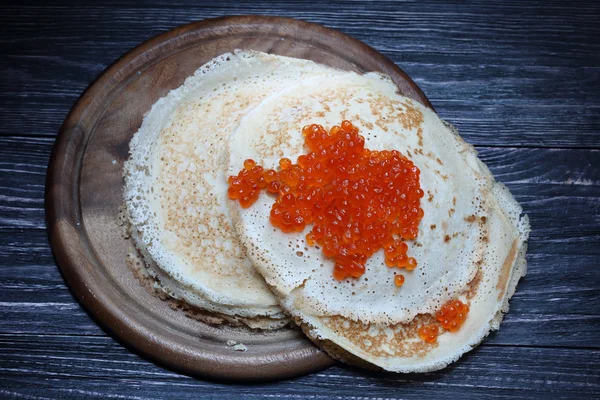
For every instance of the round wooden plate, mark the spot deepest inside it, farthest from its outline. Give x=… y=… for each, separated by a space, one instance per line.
x=84 y=192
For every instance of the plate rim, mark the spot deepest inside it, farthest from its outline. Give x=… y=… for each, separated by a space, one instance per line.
x=64 y=222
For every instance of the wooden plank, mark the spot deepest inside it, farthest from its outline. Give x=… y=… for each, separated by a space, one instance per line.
x=470 y=59
x=23 y=164
x=509 y=74
x=555 y=304
x=541 y=179
x=97 y=367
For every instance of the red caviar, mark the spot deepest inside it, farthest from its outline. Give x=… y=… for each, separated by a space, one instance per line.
x=451 y=317
x=399 y=280
x=429 y=333
x=358 y=200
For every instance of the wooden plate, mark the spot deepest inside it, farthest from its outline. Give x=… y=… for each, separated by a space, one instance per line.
x=84 y=192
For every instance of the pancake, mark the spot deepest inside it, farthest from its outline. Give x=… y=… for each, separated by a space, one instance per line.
x=175 y=188
x=470 y=246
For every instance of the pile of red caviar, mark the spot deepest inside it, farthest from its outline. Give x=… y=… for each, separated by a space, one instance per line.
x=358 y=200
x=451 y=317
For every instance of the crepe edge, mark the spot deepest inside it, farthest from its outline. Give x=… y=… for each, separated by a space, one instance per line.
x=147 y=273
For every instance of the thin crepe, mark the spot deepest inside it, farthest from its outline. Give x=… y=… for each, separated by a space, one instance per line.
x=470 y=245
x=175 y=187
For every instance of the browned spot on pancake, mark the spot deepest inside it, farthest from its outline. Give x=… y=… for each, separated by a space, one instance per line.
x=485 y=239
x=506 y=268
x=446 y=238
x=474 y=284
x=430 y=196
x=433 y=226
x=417 y=244
x=412 y=117
x=344 y=114
x=419 y=151
x=445 y=177
x=470 y=218
x=450 y=212
x=388 y=110
x=455 y=234
x=444 y=225
x=320 y=114
x=483 y=219
x=439 y=161
x=454 y=201
x=358 y=121
x=420 y=136
x=408 y=152
x=401 y=340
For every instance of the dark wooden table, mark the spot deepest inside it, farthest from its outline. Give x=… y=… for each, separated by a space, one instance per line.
x=521 y=80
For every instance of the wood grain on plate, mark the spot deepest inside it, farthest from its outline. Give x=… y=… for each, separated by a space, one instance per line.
x=85 y=192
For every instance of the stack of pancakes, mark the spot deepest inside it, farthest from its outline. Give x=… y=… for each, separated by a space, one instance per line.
x=207 y=251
